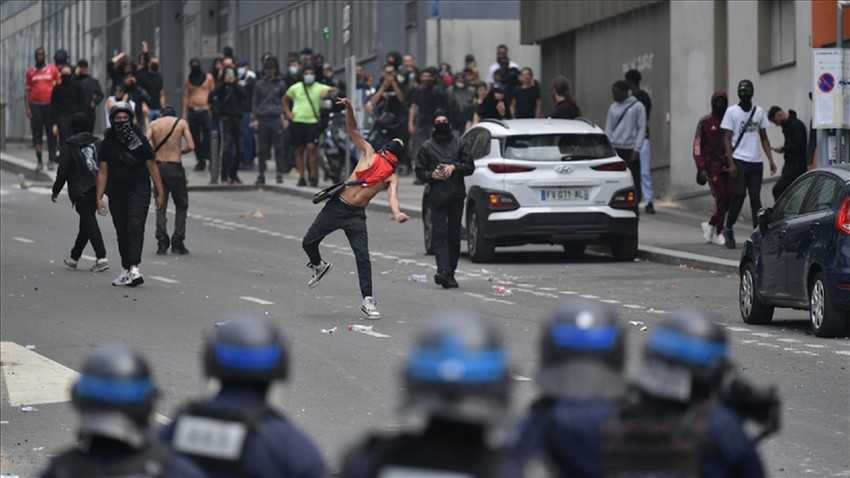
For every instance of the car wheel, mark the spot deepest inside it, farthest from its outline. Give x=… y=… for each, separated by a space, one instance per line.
x=753 y=310
x=574 y=249
x=826 y=319
x=480 y=249
x=624 y=248
x=427 y=227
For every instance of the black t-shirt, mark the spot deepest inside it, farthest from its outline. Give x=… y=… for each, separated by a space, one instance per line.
x=565 y=110
x=428 y=101
x=128 y=173
x=152 y=84
x=526 y=101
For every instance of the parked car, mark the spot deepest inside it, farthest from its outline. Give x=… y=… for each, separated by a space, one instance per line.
x=799 y=257
x=545 y=181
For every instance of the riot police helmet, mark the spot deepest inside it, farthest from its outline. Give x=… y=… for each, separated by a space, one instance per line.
x=246 y=349
x=115 y=395
x=685 y=357
x=458 y=370
x=582 y=351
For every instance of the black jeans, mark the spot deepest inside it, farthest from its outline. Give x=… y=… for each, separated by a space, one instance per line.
x=173 y=184
x=199 y=126
x=129 y=214
x=40 y=123
x=270 y=134
x=89 y=230
x=351 y=219
x=747 y=181
x=446 y=234
x=232 y=135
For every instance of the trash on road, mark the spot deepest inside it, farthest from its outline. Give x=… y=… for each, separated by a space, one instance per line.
x=30 y=347
x=644 y=328
x=636 y=323
x=254 y=215
x=360 y=328
x=29 y=409
x=329 y=331
x=418 y=278
x=500 y=290
x=221 y=324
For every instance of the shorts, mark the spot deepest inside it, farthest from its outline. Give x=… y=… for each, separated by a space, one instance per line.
x=303 y=133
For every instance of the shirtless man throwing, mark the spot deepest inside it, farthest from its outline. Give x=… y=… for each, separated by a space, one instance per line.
x=166 y=135
x=348 y=210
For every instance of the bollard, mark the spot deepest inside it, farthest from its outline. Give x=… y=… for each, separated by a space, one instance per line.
x=215 y=157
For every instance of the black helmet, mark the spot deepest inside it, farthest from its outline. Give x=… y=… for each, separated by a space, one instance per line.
x=246 y=349
x=115 y=395
x=685 y=357
x=458 y=369
x=582 y=352
x=118 y=107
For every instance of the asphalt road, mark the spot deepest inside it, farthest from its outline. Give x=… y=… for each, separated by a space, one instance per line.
x=346 y=383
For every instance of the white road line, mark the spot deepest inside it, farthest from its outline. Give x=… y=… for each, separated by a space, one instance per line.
x=32 y=378
x=610 y=301
x=164 y=279
x=24 y=240
x=789 y=340
x=548 y=289
x=256 y=300
x=588 y=296
x=843 y=352
x=374 y=334
x=567 y=292
x=520 y=378
x=815 y=346
x=632 y=306
x=763 y=334
x=738 y=329
x=162 y=419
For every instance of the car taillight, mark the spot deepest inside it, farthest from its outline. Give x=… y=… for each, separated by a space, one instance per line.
x=842 y=222
x=615 y=166
x=625 y=198
x=509 y=168
x=502 y=201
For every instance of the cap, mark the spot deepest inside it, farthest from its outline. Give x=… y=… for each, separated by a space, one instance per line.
x=328 y=66
x=469 y=58
x=746 y=85
x=241 y=62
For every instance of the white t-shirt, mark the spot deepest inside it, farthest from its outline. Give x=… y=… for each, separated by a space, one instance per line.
x=749 y=149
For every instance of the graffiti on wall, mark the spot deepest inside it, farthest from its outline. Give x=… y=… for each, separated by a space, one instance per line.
x=640 y=63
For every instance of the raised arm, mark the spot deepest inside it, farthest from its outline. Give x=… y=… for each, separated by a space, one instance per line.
x=351 y=127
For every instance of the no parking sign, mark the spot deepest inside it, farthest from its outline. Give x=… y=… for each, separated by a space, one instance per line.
x=829 y=108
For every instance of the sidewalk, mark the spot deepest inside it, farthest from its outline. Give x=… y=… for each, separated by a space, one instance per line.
x=671 y=236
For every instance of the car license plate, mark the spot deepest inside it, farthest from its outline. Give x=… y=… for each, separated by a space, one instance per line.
x=564 y=194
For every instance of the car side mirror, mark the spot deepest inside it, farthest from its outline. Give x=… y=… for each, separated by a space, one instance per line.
x=765 y=217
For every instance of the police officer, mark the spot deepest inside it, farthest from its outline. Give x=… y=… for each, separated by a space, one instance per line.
x=236 y=433
x=457 y=376
x=675 y=412
x=115 y=397
x=582 y=351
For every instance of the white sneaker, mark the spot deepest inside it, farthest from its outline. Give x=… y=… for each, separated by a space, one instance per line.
x=71 y=263
x=123 y=279
x=136 y=277
x=319 y=271
x=719 y=240
x=707 y=232
x=368 y=308
x=100 y=265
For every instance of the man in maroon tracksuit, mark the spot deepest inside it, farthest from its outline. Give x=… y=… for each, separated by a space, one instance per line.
x=711 y=163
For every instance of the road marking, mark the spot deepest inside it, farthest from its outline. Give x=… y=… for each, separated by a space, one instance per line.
x=520 y=378
x=815 y=346
x=162 y=419
x=632 y=306
x=588 y=296
x=374 y=334
x=610 y=301
x=763 y=334
x=548 y=289
x=567 y=292
x=789 y=340
x=24 y=240
x=738 y=329
x=256 y=300
x=32 y=378
x=842 y=352
x=164 y=279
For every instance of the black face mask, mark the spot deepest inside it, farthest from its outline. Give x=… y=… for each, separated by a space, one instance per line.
x=154 y=67
x=442 y=130
x=397 y=149
x=745 y=101
x=65 y=77
x=195 y=69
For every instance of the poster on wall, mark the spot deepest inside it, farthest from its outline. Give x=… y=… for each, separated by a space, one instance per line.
x=828 y=88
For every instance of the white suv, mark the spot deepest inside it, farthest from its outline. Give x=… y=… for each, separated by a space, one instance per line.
x=545 y=181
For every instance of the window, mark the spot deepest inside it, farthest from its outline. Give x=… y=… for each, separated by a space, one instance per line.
x=559 y=147
x=792 y=199
x=479 y=142
x=825 y=193
x=777 y=33
x=364 y=26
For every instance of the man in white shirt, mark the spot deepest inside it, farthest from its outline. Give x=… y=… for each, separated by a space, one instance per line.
x=745 y=127
x=501 y=52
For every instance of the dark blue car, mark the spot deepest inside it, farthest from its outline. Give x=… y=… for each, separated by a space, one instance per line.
x=799 y=257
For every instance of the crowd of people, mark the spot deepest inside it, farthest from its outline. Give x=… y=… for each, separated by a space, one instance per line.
x=685 y=411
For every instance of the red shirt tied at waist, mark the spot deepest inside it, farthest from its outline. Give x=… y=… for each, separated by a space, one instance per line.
x=378 y=170
x=40 y=82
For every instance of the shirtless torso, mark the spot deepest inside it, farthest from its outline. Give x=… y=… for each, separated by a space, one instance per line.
x=198 y=96
x=171 y=151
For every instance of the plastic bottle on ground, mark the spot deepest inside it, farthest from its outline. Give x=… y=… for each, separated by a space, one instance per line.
x=360 y=328
x=500 y=290
x=329 y=331
x=418 y=278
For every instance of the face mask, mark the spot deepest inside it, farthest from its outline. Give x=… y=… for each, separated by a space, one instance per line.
x=65 y=77
x=154 y=66
x=746 y=101
x=459 y=84
x=309 y=79
x=195 y=68
x=293 y=70
x=442 y=129
x=399 y=78
x=241 y=71
x=411 y=75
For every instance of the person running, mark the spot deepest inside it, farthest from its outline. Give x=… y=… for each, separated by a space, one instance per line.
x=127 y=166
x=348 y=210
x=166 y=133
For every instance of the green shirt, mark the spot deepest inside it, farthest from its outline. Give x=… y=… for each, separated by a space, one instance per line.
x=302 y=112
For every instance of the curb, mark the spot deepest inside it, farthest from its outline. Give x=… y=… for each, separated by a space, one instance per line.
x=679 y=258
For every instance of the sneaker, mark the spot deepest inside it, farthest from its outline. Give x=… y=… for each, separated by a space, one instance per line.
x=50 y=165
x=279 y=179
x=260 y=180
x=318 y=272
x=729 y=238
x=650 y=209
x=707 y=232
x=100 y=265
x=135 y=277
x=71 y=263
x=179 y=249
x=229 y=182
x=123 y=279
x=39 y=167
x=719 y=240
x=302 y=182
x=368 y=308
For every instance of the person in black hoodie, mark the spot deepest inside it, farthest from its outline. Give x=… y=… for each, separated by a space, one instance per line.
x=78 y=167
x=794 y=148
x=68 y=97
x=441 y=163
x=229 y=95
